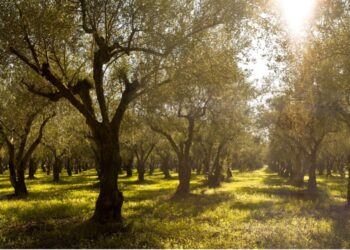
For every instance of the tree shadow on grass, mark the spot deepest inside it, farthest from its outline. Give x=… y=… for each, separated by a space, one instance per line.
x=274 y=180
x=61 y=225
x=340 y=216
x=145 y=182
x=191 y=206
x=252 y=206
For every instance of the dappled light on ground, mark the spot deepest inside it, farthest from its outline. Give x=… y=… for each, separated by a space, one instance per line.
x=254 y=210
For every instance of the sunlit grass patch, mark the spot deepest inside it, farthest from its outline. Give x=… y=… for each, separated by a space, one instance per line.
x=255 y=210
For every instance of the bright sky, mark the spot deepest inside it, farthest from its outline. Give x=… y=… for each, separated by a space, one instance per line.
x=296 y=15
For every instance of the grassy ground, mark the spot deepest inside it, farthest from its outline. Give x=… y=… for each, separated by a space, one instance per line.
x=256 y=210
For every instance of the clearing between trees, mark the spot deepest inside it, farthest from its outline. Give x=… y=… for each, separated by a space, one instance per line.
x=255 y=210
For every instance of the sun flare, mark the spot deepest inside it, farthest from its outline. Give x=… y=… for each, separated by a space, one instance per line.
x=296 y=13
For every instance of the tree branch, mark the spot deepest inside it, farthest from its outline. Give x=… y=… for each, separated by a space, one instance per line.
x=36 y=142
x=24 y=59
x=169 y=138
x=53 y=96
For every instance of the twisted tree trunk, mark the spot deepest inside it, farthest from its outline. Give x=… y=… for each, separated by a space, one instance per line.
x=20 y=187
x=183 y=188
x=110 y=200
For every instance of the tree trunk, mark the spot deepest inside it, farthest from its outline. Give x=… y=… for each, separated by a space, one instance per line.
x=311 y=185
x=214 y=179
x=140 y=172
x=76 y=170
x=69 y=168
x=229 y=173
x=20 y=186
x=165 y=168
x=297 y=175
x=13 y=178
x=56 y=170
x=110 y=200
x=183 y=188
x=329 y=167
x=151 y=168
x=48 y=168
x=128 y=167
x=1 y=166
x=43 y=166
x=32 y=169
x=297 y=179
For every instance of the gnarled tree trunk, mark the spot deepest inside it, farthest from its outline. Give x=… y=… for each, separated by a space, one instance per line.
x=110 y=200
x=183 y=188
x=20 y=187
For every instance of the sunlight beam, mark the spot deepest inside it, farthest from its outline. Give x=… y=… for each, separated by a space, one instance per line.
x=297 y=14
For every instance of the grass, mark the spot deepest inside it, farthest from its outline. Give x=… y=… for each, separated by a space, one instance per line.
x=255 y=210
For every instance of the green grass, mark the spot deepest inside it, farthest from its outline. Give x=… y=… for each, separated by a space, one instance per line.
x=255 y=210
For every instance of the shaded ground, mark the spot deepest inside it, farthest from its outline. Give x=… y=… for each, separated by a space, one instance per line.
x=256 y=210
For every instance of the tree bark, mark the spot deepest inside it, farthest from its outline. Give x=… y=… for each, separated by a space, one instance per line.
x=140 y=172
x=214 y=179
x=20 y=186
x=165 y=167
x=297 y=175
x=229 y=173
x=69 y=168
x=1 y=166
x=297 y=179
x=56 y=170
x=311 y=184
x=128 y=167
x=32 y=169
x=110 y=200
x=183 y=188
x=48 y=168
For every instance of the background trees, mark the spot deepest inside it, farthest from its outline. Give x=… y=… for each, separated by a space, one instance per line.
x=135 y=39
x=162 y=85
x=22 y=122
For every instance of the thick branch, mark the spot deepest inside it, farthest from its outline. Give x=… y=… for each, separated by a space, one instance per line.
x=24 y=59
x=37 y=140
x=169 y=138
x=53 y=96
x=87 y=29
x=127 y=96
x=24 y=136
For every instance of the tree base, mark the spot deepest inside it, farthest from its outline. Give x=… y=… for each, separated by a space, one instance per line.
x=312 y=186
x=17 y=196
x=108 y=208
x=296 y=182
x=180 y=193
